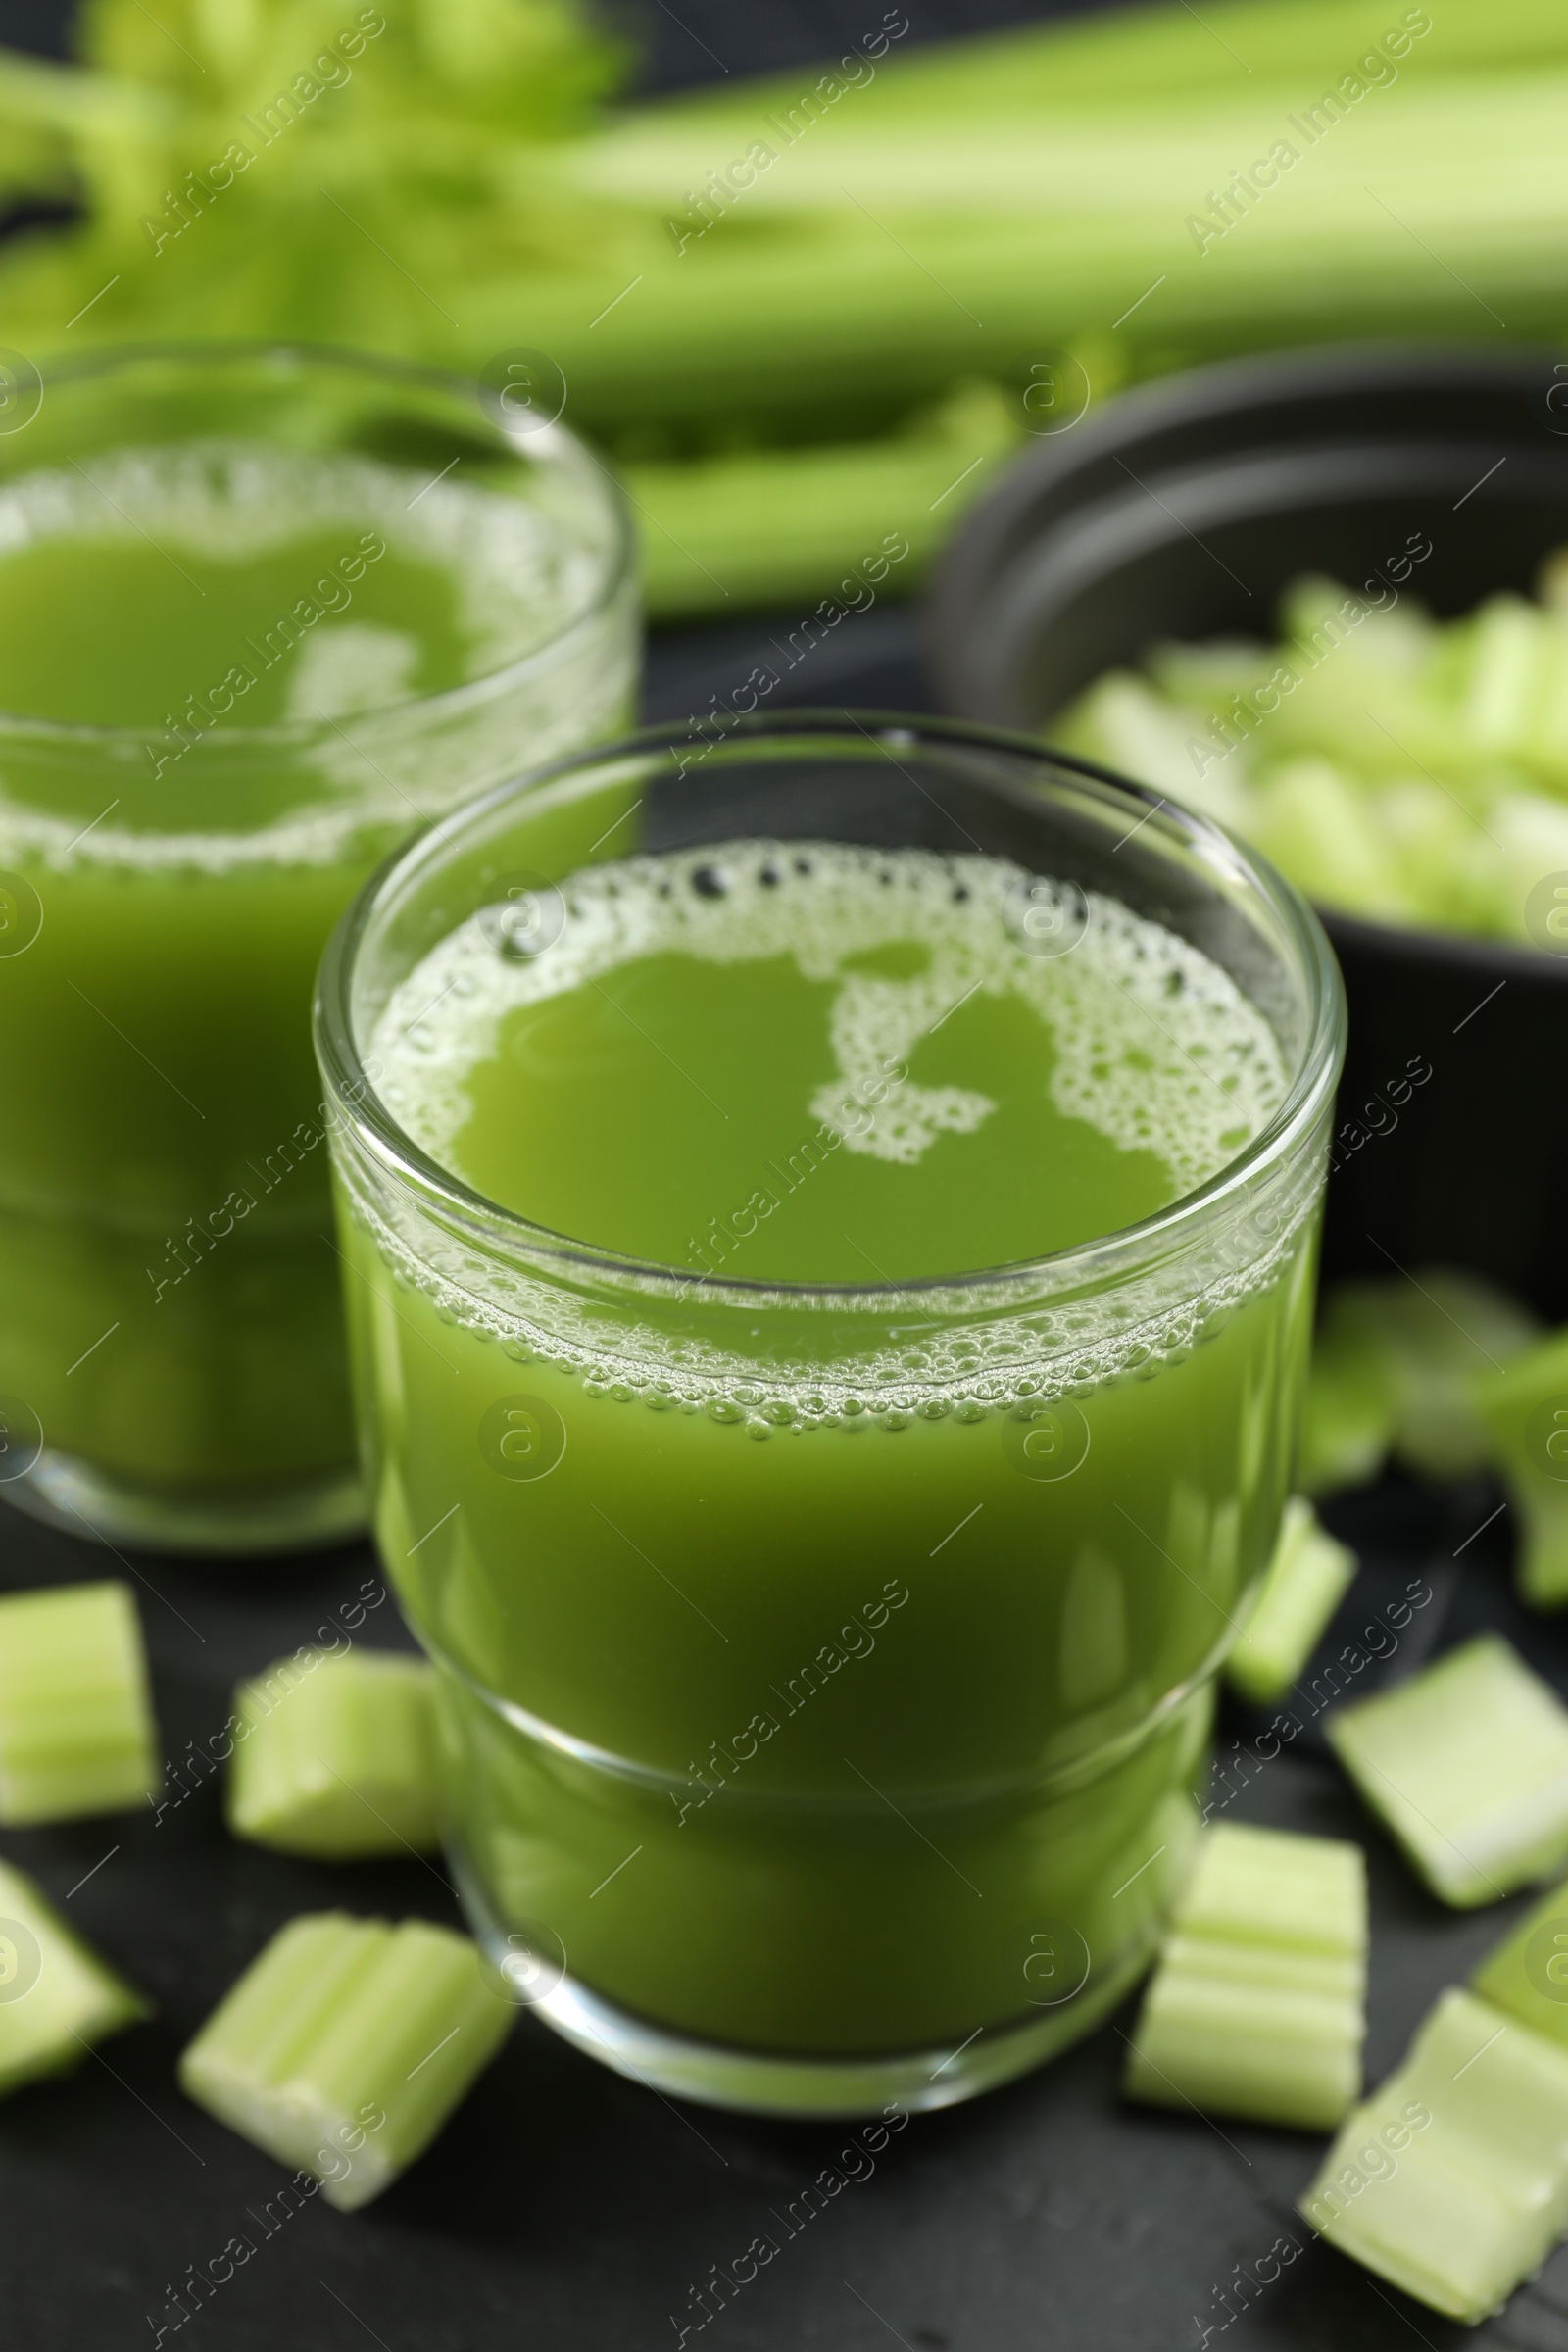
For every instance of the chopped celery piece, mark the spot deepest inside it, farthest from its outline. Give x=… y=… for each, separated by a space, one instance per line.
x=1507 y=651
x=57 y=1997
x=1312 y=821
x=346 y=2045
x=1257 y=2006
x=1467 y=1765
x=1306 y=1580
x=1532 y=840
x=1347 y=1425
x=1410 y=770
x=1436 y=1331
x=1452 y=2180
x=77 y=1730
x=1527 y=1974
x=1524 y=1409
x=1124 y=723
x=338 y=1756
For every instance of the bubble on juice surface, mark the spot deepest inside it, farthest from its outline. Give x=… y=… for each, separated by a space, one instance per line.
x=1154 y=1046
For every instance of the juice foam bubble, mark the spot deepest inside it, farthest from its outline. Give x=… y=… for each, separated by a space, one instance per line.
x=1154 y=1046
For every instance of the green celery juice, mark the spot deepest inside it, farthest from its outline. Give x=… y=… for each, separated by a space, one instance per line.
x=829 y=1680
x=233 y=675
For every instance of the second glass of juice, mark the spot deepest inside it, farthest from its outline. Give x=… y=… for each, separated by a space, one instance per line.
x=829 y=1216
x=262 y=611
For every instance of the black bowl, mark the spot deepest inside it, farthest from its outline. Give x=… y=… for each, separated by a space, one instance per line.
x=1182 y=510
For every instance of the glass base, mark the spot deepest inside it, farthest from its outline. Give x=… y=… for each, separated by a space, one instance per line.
x=85 y=1500
x=758 y=2083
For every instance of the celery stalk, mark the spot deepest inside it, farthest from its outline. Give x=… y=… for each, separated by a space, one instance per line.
x=57 y=1997
x=1467 y=1766
x=337 y=1757
x=77 y=1730
x=1452 y=2180
x=1306 y=1581
x=1527 y=1974
x=759 y=526
x=345 y=2047
x=1524 y=1410
x=1257 y=2006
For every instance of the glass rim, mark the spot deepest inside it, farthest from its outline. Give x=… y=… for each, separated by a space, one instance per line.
x=566 y=450
x=359 y=1108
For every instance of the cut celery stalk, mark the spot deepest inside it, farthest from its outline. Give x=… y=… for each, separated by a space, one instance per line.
x=1527 y=1974
x=1467 y=1765
x=1452 y=2180
x=57 y=1997
x=1347 y=1425
x=77 y=1730
x=337 y=1757
x=1524 y=1410
x=1257 y=2006
x=345 y=2047
x=1436 y=1332
x=1306 y=1581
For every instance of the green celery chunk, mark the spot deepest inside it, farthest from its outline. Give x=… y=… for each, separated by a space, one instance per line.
x=1527 y=1974
x=1306 y=1581
x=345 y=2047
x=57 y=1997
x=1257 y=2006
x=1320 y=826
x=76 y=1729
x=1524 y=1410
x=1452 y=2180
x=1467 y=1765
x=1437 y=1332
x=1347 y=1424
x=338 y=1757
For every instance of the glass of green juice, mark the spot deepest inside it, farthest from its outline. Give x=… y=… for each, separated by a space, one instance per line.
x=830 y=1214
x=262 y=613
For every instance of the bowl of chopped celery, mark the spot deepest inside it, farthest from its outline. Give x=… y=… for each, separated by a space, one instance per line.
x=1323 y=597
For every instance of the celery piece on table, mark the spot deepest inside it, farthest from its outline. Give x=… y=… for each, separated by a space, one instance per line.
x=1304 y=1585
x=1437 y=1332
x=336 y=1757
x=1452 y=2180
x=345 y=2046
x=1467 y=1766
x=1256 y=2007
x=77 y=1730
x=1524 y=1410
x=57 y=1997
x=1527 y=1974
x=1348 y=1423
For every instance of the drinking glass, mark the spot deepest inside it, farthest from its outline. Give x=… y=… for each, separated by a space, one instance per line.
x=826 y=1669
x=172 y=1358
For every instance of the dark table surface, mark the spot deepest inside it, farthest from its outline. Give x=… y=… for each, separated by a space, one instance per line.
x=565 y=2207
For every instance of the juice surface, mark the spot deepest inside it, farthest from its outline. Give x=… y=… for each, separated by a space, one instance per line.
x=131 y=585
x=812 y=1671
x=814 y=1063
x=169 y=1304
